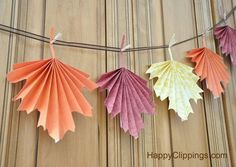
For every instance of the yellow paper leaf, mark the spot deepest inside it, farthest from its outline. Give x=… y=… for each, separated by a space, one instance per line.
x=177 y=82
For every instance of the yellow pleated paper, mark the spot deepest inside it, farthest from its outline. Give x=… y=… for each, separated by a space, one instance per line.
x=177 y=82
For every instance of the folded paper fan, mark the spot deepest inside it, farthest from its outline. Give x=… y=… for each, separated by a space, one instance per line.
x=177 y=82
x=54 y=89
x=128 y=96
x=227 y=39
x=210 y=66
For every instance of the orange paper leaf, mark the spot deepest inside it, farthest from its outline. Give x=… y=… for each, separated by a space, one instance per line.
x=54 y=89
x=210 y=66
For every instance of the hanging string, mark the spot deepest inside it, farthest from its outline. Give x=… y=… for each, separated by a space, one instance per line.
x=44 y=39
x=171 y=43
x=53 y=40
x=204 y=37
x=121 y=53
x=222 y=12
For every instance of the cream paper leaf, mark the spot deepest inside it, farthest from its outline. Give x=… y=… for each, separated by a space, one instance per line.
x=177 y=82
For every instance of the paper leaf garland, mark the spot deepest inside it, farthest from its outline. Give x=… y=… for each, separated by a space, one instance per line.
x=210 y=66
x=54 y=89
x=177 y=82
x=227 y=39
x=128 y=96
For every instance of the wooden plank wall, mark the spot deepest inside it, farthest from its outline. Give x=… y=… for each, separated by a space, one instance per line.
x=98 y=141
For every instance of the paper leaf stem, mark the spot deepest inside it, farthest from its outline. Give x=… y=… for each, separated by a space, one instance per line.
x=210 y=66
x=54 y=89
x=128 y=96
x=177 y=82
x=227 y=39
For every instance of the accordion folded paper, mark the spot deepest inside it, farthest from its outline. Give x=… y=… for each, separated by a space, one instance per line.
x=177 y=82
x=128 y=96
x=227 y=39
x=210 y=66
x=54 y=89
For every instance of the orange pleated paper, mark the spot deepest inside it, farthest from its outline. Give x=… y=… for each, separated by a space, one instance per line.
x=54 y=89
x=210 y=66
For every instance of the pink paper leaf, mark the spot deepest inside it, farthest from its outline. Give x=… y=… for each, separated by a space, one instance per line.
x=128 y=96
x=227 y=39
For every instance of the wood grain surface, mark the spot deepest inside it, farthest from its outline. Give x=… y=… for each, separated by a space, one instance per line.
x=98 y=141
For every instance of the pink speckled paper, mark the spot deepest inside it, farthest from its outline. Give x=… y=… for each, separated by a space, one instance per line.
x=128 y=96
x=227 y=39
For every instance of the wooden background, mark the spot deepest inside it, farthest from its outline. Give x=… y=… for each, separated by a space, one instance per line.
x=98 y=141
